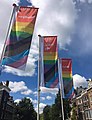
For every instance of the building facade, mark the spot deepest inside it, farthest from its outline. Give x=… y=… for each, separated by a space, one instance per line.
x=83 y=103
x=7 y=107
x=89 y=115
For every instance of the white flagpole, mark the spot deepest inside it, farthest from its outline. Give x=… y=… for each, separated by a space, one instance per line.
x=8 y=33
x=61 y=86
x=39 y=76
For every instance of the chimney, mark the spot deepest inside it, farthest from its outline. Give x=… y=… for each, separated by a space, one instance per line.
x=7 y=83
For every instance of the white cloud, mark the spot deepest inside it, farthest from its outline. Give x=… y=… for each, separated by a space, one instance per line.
x=27 y=92
x=49 y=90
x=48 y=97
x=17 y=100
x=83 y=1
x=64 y=21
x=5 y=11
x=42 y=98
x=41 y=106
x=58 y=21
x=82 y=37
x=35 y=93
x=89 y=1
x=32 y=100
x=79 y=81
x=19 y=87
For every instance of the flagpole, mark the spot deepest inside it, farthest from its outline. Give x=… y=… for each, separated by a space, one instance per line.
x=2 y=54
x=7 y=33
x=61 y=87
x=39 y=77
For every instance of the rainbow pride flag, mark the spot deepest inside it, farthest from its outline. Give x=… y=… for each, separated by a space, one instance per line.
x=67 y=78
x=18 y=45
x=50 y=61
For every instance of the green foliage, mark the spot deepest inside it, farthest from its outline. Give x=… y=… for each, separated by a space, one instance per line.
x=67 y=108
x=25 y=110
x=41 y=117
x=46 y=112
x=55 y=111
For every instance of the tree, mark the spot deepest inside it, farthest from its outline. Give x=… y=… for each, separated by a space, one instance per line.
x=25 y=110
x=46 y=112
x=66 y=105
x=54 y=112
x=67 y=108
x=41 y=117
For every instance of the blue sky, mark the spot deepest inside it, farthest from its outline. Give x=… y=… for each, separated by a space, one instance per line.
x=71 y=21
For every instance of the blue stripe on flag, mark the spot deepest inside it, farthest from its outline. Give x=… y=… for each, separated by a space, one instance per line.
x=10 y=60
x=50 y=82
x=69 y=94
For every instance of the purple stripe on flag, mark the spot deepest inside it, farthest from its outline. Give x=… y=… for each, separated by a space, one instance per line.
x=7 y=42
x=71 y=96
x=54 y=83
x=19 y=63
x=22 y=67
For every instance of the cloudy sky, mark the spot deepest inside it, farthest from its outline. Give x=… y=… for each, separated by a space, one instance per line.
x=71 y=21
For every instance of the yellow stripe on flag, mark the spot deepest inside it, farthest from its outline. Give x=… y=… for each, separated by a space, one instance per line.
x=67 y=75
x=50 y=57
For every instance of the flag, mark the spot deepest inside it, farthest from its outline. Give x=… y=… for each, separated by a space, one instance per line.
x=18 y=44
x=67 y=78
x=50 y=61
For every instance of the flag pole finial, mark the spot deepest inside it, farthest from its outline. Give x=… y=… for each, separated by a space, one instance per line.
x=14 y=5
x=39 y=35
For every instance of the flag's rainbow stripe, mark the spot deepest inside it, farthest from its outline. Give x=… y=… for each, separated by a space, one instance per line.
x=18 y=44
x=67 y=78
x=50 y=59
